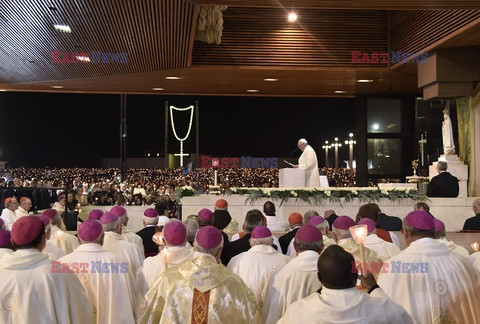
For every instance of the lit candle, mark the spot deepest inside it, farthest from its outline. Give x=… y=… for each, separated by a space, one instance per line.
x=475 y=246
x=359 y=234
x=165 y=256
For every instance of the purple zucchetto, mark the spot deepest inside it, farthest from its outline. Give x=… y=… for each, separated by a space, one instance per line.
x=118 y=210
x=175 y=233
x=261 y=232
x=150 y=212
x=45 y=219
x=95 y=214
x=421 y=220
x=5 y=238
x=62 y=196
x=208 y=237
x=439 y=225
x=370 y=224
x=90 y=230
x=316 y=220
x=205 y=214
x=343 y=222
x=26 y=229
x=51 y=213
x=108 y=218
x=309 y=234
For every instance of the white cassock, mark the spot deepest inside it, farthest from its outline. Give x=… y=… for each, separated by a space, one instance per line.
x=345 y=306
x=20 y=212
x=326 y=243
x=255 y=267
x=114 y=243
x=275 y=224
x=154 y=266
x=447 y=291
x=454 y=247
x=308 y=162
x=111 y=290
x=31 y=293
x=54 y=252
x=475 y=260
x=236 y=236
x=384 y=249
x=67 y=242
x=133 y=238
x=4 y=251
x=9 y=217
x=296 y=280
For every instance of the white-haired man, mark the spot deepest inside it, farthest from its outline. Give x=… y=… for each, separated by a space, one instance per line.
x=177 y=250
x=384 y=249
x=201 y=290
x=126 y=233
x=25 y=206
x=298 y=278
x=67 y=242
x=53 y=251
x=106 y=277
x=8 y=213
x=308 y=162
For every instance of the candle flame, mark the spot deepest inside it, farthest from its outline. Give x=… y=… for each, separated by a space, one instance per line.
x=475 y=246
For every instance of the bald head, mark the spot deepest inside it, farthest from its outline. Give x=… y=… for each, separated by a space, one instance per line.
x=335 y=268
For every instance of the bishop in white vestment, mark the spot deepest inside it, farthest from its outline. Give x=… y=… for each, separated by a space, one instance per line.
x=441 y=235
x=385 y=250
x=308 y=162
x=126 y=233
x=53 y=251
x=58 y=237
x=8 y=213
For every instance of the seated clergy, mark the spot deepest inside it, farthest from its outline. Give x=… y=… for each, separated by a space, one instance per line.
x=384 y=249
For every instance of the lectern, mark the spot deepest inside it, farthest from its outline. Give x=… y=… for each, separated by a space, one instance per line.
x=291 y=178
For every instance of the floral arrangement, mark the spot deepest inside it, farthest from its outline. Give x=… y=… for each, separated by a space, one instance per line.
x=185 y=191
x=317 y=196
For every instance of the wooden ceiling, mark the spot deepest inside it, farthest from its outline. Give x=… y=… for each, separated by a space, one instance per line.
x=309 y=58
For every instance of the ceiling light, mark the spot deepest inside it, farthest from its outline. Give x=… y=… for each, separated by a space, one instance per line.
x=56 y=87
x=2 y=90
x=252 y=90
x=364 y=81
x=292 y=17
x=340 y=91
x=63 y=28
x=375 y=126
x=270 y=80
x=158 y=89
x=83 y=58
x=172 y=78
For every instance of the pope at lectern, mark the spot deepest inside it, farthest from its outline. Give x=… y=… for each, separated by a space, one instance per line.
x=308 y=162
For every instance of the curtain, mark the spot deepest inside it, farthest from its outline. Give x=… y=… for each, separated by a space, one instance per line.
x=465 y=135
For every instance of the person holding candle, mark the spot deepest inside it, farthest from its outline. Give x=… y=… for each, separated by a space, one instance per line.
x=431 y=282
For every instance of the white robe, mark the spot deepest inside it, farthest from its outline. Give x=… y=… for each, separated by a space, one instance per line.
x=455 y=248
x=20 y=212
x=326 y=243
x=447 y=291
x=475 y=259
x=112 y=292
x=4 y=251
x=9 y=217
x=133 y=238
x=33 y=294
x=255 y=267
x=345 y=306
x=308 y=162
x=154 y=266
x=236 y=236
x=54 y=252
x=447 y=135
x=384 y=249
x=275 y=224
x=67 y=242
x=296 y=280
x=114 y=243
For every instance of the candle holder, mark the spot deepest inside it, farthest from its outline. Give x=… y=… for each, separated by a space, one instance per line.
x=359 y=234
x=414 y=167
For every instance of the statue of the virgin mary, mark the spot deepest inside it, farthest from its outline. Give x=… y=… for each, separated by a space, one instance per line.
x=447 y=133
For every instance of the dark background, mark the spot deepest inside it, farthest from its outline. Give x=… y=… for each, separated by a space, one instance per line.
x=77 y=130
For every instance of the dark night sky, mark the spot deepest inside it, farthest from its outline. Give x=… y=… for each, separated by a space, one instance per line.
x=44 y=129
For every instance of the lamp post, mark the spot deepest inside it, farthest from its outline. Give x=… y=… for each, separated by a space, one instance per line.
x=336 y=145
x=326 y=147
x=350 y=141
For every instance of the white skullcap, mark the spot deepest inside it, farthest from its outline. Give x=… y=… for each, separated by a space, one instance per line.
x=302 y=140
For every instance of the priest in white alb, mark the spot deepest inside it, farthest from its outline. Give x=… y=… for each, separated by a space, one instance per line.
x=53 y=251
x=323 y=226
x=298 y=278
x=338 y=301
x=308 y=162
x=30 y=291
x=126 y=233
x=177 y=250
x=441 y=235
x=67 y=242
x=106 y=278
x=8 y=213
x=384 y=249
x=432 y=283
x=256 y=265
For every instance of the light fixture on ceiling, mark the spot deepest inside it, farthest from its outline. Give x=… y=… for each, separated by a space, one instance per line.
x=172 y=78
x=364 y=81
x=56 y=87
x=252 y=90
x=63 y=28
x=158 y=89
x=340 y=91
x=375 y=126
x=270 y=79
x=292 y=17
x=83 y=58
x=2 y=90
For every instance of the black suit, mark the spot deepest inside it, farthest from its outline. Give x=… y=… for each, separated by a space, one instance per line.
x=443 y=185
x=146 y=233
x=330 y=220
x=285 y=240
x=49 y=196
x=473 y=223
x=234 y=248
x=389 y=223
